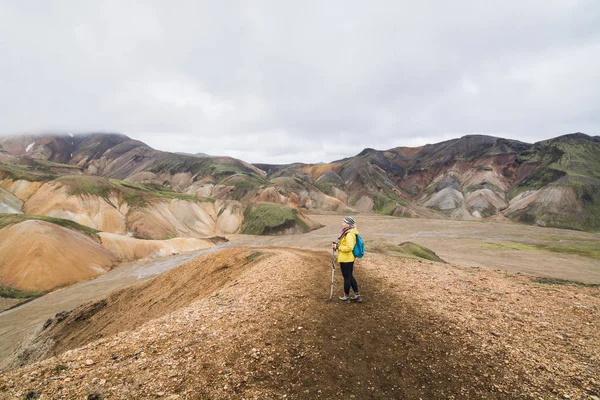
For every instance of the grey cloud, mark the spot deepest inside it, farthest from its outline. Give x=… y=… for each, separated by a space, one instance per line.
x=269 y=81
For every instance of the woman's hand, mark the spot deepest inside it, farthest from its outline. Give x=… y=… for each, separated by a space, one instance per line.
x=334 y=245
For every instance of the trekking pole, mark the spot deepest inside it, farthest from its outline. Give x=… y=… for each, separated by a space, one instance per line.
x=332 y=271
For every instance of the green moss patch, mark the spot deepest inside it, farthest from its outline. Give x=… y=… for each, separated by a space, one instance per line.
x=244 y=185
x=92 y=185
x=13 y=293
x=578 y=154
x=325 y=187
x=11 y=298
x=385 y=205
x=417 y=250
x=588 y=193
x=405 y=250
x=563 y=282
x=590 y=250
x=25 y=172
x=45 y=164
x=11 y=219
x=509 y=246
x=569 y=161
x=560 y=238
x=154 y=190
x=584 y=250
x=254 y=256
x=137 y=195
x=219 y=168
x=271 y=219
x=582 y=214
x=59 y=368
x=540 y=178
x=288 y=184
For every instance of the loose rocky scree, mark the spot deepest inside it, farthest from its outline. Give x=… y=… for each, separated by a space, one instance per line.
x=426 y=330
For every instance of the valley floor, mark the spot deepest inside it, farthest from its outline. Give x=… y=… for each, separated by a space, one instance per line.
x=516 y=248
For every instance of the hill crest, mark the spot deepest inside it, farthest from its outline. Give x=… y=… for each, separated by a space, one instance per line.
x=426 y=330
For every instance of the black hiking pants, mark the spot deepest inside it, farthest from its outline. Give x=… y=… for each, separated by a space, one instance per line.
x=347 y=269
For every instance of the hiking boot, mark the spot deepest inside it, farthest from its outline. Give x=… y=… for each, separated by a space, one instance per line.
x=345 y=298
x=357 y=298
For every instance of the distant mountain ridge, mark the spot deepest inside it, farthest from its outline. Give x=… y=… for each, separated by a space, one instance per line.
x=194 y=155
x=554 y=182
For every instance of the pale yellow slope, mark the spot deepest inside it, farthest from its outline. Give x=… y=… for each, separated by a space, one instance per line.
x=54 y=200
x=129 y=248
x=158 y=220
x=172 y=218
x=9 y=203
x=21 y=188
x=38 y=255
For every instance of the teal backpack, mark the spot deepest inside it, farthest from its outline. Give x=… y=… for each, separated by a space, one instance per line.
x=359 y=247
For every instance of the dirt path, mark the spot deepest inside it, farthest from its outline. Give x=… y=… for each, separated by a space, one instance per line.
x=386 y=347
x=425 y=330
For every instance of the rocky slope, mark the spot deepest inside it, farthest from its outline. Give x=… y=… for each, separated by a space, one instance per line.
x=42 y=256
x=550 y=183
x=256 y=324
x=564 y=191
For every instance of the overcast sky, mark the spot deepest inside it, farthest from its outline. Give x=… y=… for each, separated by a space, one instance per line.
x=282 y=81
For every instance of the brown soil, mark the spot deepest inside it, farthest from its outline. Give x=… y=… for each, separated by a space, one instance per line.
x=40 y=256
x=260 y=326
x=129 y=308
x=54 y=257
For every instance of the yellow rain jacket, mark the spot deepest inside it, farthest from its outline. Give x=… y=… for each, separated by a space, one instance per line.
x=346 y=245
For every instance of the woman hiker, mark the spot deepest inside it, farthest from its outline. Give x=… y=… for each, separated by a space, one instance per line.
x=344 y=246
